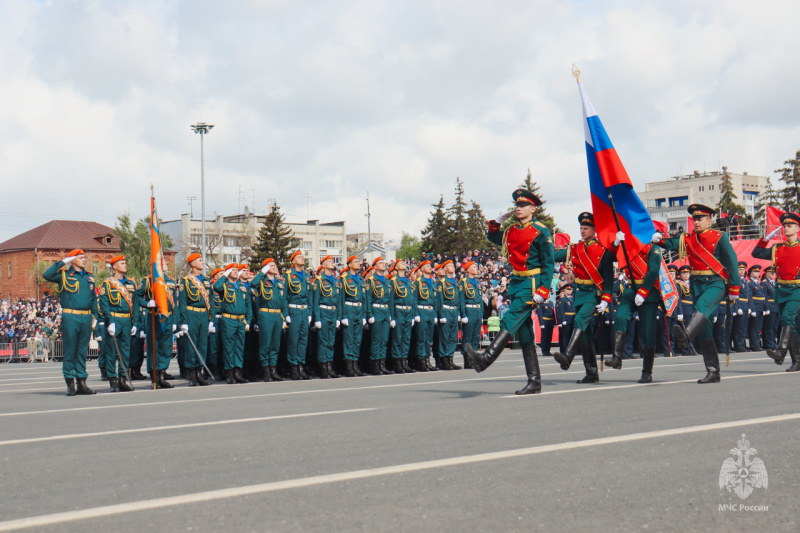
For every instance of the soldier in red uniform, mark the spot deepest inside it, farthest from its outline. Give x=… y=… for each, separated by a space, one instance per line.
x=529 y=248
x=786 y=258
x=593 y=267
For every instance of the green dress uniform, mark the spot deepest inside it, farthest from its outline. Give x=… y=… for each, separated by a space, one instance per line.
x=215 y=339
x=269 y=308
x=137 y=341
x=161 y=337
x=327 y=314
x=237 y=314
x=471 y=298
x=118 y=306
x=99 y=330
x=426 y=295
x=379 y=296
x=196 y=312
x=403 y=310
x=299 y=294
x=353 y=298
x=449 y=306
x=77 y=297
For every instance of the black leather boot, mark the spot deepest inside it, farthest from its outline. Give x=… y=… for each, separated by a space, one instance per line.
x=565 y=359
x=684 y=337
x=70 y=386
x=429 y=366
x=383 y=367
x=114 y=384
x=331 y=372
x=357 y=370
x=161 y=380
x=82 y=387
x=406 y=368
x=422 y=364
x=467 y=362
x=302 y=371
x=229 y=377
x=778 y=354
x=273 y=371
x=534 y=384
x=348 y=369
x=136 y=374
x=619 y=350
x=398 y=365
x=103 y=374
x=323 y=371
x=237 y=375
x=191 y=375
x=125 y=384
x=168 y=376
x=589 y=363
x=294 y=375
x=481 y=362
x=711 y=359
x=267 y=375
x=794 y=352
x=200 y=374
x=648 y=356
x=452 y=364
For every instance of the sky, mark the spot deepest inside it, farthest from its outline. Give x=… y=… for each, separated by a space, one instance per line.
x=317 y=103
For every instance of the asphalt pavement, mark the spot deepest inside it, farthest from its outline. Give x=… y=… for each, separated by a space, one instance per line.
x=438 y=451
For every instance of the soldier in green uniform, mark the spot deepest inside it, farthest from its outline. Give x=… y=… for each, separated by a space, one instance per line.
x=99 y=334
x=471 y=298
x=269 y=308
x=529 y=248
x=237 y=314
x=404 y=313
x=77 y=297
x=353 y=300
x=449 y=307
x=195 y=314
x=327 y=315
x=161 y=337
x=299 y=299
x=119 y=309
x=137 y=341
x=426 y=294
x=380 y=321
x=214 y=350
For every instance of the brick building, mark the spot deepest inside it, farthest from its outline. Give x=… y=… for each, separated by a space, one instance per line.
x=21 y=257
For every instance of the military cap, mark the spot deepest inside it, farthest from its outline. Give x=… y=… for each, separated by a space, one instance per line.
x=192 y=257
x=216 y=271
x=448 y=262
x=742 y=264
x=351 y=258
x=244 y=266
x=685 y=268
x=75 y=253
x=769 y=269
x=375 y=262
x=296 y=252
x=586 y=219
x=115 y=259
x=232 y=265
x=467 y=264
x=565 y=287
x=672 y=268
x=792 y=218
x=524 y=195
x=426 y=262
x=700 y=210
x=325 y=259
x=266 y=261
x=319 y=268
x=367 y=271
x=757 y=268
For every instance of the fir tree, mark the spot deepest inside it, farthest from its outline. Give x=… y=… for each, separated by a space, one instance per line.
x=275 y=240
x=476 y=228
x=727 y=201
x=790 y=176
x=541 y=212
x=770 y=197
x=457 y=238
x=434 y=233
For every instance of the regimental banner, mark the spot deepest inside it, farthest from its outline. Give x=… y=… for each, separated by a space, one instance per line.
x=669 y=292
x=158 y=283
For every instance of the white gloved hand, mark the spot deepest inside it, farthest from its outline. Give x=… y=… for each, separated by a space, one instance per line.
x=345 y=322
x=753 y=314
x=680 y=318
x=151 y=304
x=134 y=329
x=766 y=312
x=288 y=319
x=94 y=323
x=638 y=300
x=227 y=273
x=601 y=307
x=174 y=327
x=309 y=320
x=211 y=328
x=178 y=334
x=413 y=321
x=185 y=328
x=338 y=324
x=68 y=260
x=318 y=324
x=538 y=298
x=564 y=323
x=739 y=312
x=657 y=237
x=112 y=329
x=363 y=321
x=465 y=320
x=774 y=233
x=715 y=320
x=416 y=319
x=142 y=335
x=264 y=269
x=371 y=320
x=392 y=323
x=247 y=327
x=620 y=237
x=459 y=318
x=443 y=320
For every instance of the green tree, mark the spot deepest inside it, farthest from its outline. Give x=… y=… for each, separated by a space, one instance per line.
x=434 y=235
x=727 y=201
x=457 y=238
x=476 y=228
x=790 y=176
x=275 y=239
x=541 y=212
x=410 y=247
x=135 y=244
x=770 y=197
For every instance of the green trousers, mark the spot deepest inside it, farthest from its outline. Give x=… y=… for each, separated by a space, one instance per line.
x=427 y=322
x=122 y=334
x=448 y=332
x=351 y=334
x=162 y=340
x=297 y=342
x=232 y=330
x=101 y=333
x=198 y=331
x=586 y=300
x=270 y=326
x=75 y=332
x=647 y=317
x=708 y=292
x=471 y=331
x=326 y=336
x=517 y=320
x=379 y=333
x=401 y=334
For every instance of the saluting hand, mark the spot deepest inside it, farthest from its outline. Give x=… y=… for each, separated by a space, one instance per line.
x=774 y=233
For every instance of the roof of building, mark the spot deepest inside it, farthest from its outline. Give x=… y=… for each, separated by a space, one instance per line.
x=65 y=235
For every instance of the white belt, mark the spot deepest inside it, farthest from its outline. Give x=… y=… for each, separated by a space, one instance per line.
x=473 y=306
x=380 y=306
x=426 y=307
x=449 y=306
x=298 y=306
x=328 y=307
x=354 y=304
x=403 y=307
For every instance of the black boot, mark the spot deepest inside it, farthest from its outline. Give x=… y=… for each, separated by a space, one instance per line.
x=383 y=367
x=467 y=361
x=302 y=371
x=229 y=377
x=295 y=373
x=422 y=364
x=407 y=369
x=445 y=363
x=191 y=375
x=136 y=374
x=323 y=371
x=779 y=354
x=200 y=374
x=125 y=384
x=161 y=380
x=357 y=370
x=331 y=372
x=534 y=384
x=429 y=366
x=82 y=387
x=103 y=373
x=794 y=352
x=375 y=367
x=267 y=374
x=481 y=362
x=711 y=359
x=452 y=364
x=348 y=369
x=274 y=373
x=589 y=363
x=619 y=350
x=685 y=336
x=168 y=376
x=565 y=359
x=237 y=375
x=398 y=365
x=648 y=356
x=114 y=384
x=70 y=386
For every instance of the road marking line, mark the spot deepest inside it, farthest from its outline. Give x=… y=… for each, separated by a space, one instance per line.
x=262 y=488
x=180 y=426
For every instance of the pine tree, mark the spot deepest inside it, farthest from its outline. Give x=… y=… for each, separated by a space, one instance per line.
x=727 y=200
x=790 y=176
x=275 y=240
x=457 y=238
x=770 y=197
x=434 y=233
x=541 y=212
x=476 y=228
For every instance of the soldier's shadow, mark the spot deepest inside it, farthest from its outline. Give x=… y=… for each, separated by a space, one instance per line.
x=463 y=393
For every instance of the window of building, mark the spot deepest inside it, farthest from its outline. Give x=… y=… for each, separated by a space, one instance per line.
x=307 y=245
x=650 y=203
x=661 y=202
x=330 y=244
x=678 y=201
x=701 y=188
x=197 y=240
x=710 y=187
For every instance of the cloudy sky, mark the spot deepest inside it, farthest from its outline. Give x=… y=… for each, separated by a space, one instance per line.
x=316 y=103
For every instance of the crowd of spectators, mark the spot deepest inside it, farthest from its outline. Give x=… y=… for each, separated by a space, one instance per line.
x=30 y=322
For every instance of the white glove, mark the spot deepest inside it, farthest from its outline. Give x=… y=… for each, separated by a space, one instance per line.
x=133 y=331
x=601 y=307
x=733 y=297
x=774 y=233
x=538 y=298
x=247 y=327
x=178 y=334
x=345 y=322
x=318 y=324
x=620 y=238
x=151 y=304
x=413 y=321
x=94 y=323
x=564 y=323
x=112 y=329
x=363 y=321
x=338 y=324
x=371 y=320
x=288 y=319
x=766 y=312
x=465 y=320
x=657 y=237
x=753 y=314
x=739 y=312
x=392 y=323
x=174 y=327
x=443 y=320
x=680 y=318
x=264 y=269
x=309 y=320
x=68 y=260
x=459 y=318
x=185 y=328
x=638 y=300
x=416 y=319
x=227 y=272
x=211 y=328
x=142 y=335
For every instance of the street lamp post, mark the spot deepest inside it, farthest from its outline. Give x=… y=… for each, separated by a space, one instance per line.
x=202 y=128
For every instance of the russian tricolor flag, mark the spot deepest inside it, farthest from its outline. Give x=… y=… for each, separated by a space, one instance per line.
x=608 y=180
